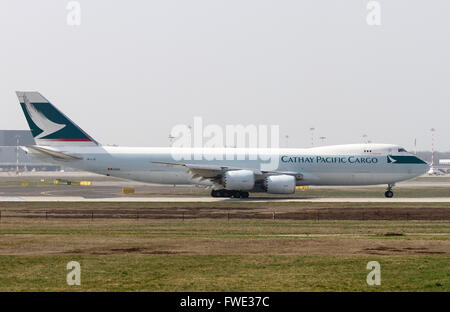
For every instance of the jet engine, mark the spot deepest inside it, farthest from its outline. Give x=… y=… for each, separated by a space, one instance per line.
x=239 y=180
x=280 y=184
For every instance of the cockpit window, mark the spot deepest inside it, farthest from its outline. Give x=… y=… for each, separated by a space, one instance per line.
x=401 y=150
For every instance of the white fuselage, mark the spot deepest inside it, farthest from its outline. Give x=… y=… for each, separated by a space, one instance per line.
x=352 y=164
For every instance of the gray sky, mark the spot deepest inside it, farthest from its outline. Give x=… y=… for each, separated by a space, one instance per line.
x=134 y=69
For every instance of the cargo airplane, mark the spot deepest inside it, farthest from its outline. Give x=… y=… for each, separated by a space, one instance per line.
x=60 y=141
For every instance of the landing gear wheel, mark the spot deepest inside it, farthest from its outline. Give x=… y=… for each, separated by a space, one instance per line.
x=239 y=194
x=227 y=193
x=389 y=193
x=236 y=194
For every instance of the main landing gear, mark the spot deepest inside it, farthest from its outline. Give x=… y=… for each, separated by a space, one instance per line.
x=389 y=193
x=228 y=193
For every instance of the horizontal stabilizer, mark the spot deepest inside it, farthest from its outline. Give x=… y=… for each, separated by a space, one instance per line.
x=52 y=153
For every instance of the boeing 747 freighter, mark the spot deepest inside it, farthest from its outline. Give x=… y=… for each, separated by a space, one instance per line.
x=61 y=141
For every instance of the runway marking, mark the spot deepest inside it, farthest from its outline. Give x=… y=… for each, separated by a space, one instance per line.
x=10 y=199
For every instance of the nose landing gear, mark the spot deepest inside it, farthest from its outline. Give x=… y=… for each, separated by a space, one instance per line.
x=389 y=193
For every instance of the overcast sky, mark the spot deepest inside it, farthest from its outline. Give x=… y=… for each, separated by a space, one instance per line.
x=134 y=69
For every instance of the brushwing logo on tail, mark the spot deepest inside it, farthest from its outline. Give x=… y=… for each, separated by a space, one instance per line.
x=46 y=125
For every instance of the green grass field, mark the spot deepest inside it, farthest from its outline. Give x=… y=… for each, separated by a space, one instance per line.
x=220 y=255
x=224 y=273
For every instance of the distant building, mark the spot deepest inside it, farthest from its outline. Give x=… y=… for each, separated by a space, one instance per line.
x=438 y=156
x=12 y=158
x=10 y=137
x=444 y=161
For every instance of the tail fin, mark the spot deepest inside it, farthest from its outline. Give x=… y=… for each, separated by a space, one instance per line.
x=48 y=125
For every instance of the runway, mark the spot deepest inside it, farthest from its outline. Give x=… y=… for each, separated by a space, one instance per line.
x=181 y=199
x=105 y=189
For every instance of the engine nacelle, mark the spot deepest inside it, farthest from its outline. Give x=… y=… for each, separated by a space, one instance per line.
x=239 y=180
x=280 y=184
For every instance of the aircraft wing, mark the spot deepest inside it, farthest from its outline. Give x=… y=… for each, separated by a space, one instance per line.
x=50 y=152
x=204 y=172
x=214 y=173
